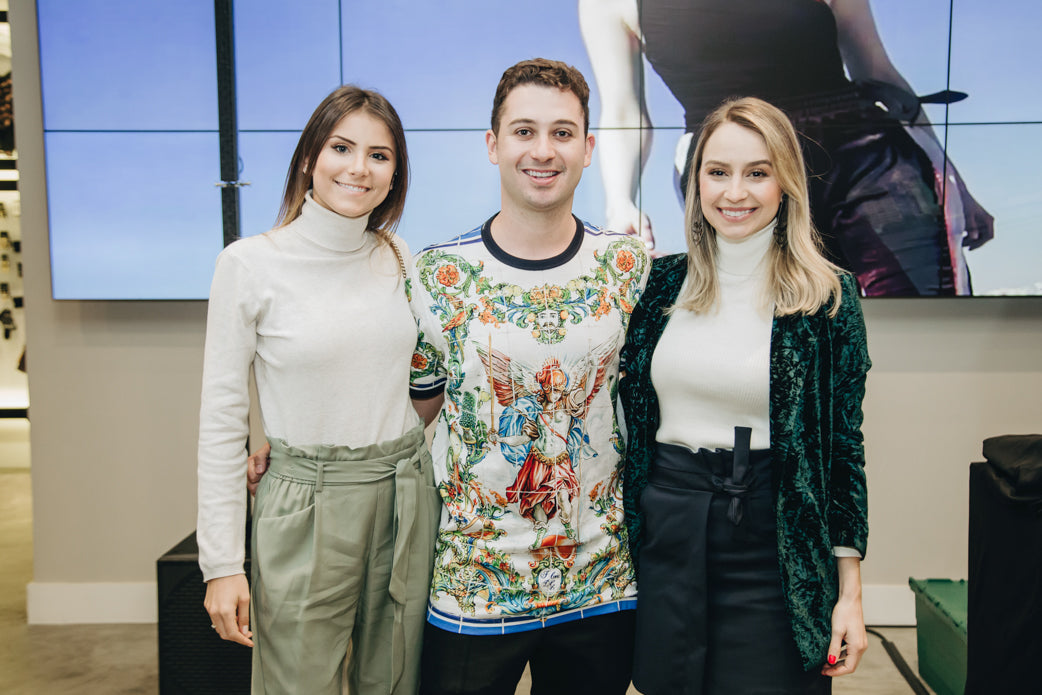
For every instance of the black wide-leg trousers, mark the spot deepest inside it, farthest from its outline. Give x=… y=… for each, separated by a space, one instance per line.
x=711 y=616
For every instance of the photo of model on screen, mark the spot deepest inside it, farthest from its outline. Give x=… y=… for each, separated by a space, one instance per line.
x=888 y=205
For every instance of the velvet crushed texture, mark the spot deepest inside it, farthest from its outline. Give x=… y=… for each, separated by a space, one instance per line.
x=817 y=366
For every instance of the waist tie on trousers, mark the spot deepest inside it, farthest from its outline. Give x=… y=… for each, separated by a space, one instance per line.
x=343 y=465
x=735 y=485
x=721 y=471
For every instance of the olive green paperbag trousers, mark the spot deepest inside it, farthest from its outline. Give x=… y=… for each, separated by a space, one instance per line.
x=342 y=547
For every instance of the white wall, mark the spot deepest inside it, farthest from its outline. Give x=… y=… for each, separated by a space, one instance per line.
x=114 y=390
x=946 y=375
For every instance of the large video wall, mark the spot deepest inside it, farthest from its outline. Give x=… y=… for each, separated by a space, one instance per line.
x=131 y=129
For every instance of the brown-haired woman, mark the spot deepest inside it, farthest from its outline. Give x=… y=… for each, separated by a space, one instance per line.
x=343 y=523
x=745 y=493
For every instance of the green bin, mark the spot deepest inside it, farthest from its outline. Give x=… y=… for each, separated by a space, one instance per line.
x=940 y=616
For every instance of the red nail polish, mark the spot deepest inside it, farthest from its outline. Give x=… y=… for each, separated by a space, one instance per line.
x=832 y=659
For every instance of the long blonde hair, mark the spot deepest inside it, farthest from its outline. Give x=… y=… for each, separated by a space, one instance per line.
x=799 y=277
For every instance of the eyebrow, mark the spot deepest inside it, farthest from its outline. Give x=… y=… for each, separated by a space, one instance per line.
x=757 y=163
x=532 y=121
x=349 y=141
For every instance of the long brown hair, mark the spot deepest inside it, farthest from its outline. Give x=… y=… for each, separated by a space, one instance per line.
x=799 y=277
x=340 y=103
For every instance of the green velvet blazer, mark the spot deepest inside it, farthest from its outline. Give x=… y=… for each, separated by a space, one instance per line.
x=817 y=371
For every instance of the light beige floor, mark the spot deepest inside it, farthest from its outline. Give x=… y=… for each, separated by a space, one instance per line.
x=876 y=674
x=121 y=659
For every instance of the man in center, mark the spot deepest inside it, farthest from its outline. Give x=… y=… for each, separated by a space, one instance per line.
x=521 y=321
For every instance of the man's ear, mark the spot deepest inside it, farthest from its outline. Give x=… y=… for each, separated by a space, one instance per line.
x=490 y=142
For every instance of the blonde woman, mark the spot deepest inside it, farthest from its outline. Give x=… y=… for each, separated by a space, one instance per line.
x=745 y=491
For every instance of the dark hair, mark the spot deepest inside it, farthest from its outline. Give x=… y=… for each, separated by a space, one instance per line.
x=341 y=102
x=547 y=73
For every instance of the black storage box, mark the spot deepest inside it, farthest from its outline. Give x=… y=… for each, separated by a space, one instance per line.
x=193 y=660
x=1004 y=605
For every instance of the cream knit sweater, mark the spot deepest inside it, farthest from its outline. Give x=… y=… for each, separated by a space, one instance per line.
x=318 y=309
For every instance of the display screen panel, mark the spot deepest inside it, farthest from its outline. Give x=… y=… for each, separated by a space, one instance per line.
x=115 y=65
x=439 y=65
x=992 y=61
x=1009 y=264
x=130 y=135
x=157 y=188
x=287 y=58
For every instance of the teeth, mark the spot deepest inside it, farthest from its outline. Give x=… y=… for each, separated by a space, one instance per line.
x=735 y=213
x=541 y=174
x=350 y=187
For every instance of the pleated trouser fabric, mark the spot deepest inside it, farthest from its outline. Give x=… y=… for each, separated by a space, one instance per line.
x=711 y=616
x=342 y=548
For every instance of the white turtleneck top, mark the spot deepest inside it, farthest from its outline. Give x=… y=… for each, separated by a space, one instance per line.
x=318 y=309
x=712 y=371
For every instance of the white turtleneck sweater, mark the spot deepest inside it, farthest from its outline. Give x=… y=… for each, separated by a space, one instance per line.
x=712 y=371
x=318 y=309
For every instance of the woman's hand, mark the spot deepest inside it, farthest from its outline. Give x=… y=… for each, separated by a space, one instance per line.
x=849 y=639
x=256 y=467
x=228 y=603
x=624 y=216
x=980 y=224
